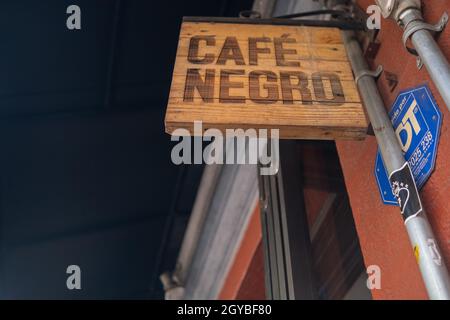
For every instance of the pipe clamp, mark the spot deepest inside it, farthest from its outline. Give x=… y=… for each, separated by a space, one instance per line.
x=369 y=73
x=418 y=25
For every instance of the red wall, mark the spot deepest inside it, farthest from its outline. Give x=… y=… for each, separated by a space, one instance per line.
x=382 y=234
x=245 y=279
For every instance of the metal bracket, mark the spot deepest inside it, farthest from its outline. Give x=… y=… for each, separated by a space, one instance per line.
x=417 y=25
x=368 y=73
x=394 y=8
x=387 y=6
x=250 y=14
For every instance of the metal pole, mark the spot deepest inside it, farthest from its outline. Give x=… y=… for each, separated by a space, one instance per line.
x=432 y=266
x=407 y=13
x=435 y=62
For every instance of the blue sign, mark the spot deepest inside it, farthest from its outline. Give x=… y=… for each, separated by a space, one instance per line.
x=417 y=120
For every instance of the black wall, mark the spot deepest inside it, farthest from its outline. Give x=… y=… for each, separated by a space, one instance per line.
x=85 y=170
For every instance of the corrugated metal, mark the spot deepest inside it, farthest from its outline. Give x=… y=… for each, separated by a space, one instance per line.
x=229 y=211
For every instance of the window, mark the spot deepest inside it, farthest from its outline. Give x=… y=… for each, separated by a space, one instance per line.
x=311 y=245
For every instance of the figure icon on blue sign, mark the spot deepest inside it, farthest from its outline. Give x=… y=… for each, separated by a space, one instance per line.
x=401 y=192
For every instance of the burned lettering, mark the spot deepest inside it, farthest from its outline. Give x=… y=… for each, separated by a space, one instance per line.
x=205 y=87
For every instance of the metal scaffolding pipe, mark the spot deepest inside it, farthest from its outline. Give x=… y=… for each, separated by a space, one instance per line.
x=434 y=272
x=407 y=13
x=435 y=62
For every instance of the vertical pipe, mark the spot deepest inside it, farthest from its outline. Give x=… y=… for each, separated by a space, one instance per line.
x=434 y=271
x=435 y=62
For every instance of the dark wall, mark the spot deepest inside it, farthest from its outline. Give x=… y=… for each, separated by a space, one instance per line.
x=85 y=170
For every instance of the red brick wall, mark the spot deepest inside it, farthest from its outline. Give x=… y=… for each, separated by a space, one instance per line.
x=383 y=237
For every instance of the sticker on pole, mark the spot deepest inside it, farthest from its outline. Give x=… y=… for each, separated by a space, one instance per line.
x=417 y=120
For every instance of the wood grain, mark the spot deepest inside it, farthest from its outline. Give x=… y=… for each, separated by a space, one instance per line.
x=293 y=78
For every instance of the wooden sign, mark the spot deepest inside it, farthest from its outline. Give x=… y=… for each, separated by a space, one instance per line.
x=293 y=78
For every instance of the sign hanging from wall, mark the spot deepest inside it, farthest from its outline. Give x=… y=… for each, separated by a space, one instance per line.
x=417 y=121
x=237 y=75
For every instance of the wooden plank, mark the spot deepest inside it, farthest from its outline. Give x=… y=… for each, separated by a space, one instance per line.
x=309 y=35
x=314 y=52
x=344 y=25
x=293 y=78
x=246 y=90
